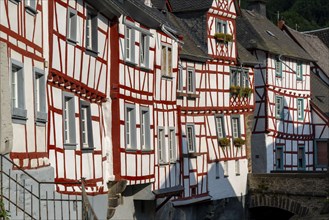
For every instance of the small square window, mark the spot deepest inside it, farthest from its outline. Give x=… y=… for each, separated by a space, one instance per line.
x=71 y=25
x=221 y=26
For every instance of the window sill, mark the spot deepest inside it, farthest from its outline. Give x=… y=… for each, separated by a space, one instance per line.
x=192 y=96
x=71 y=41
x=87 y=150
x=163 y=163
x=69 y=146
x=130 y=63
x=146 y=150
x=30 y=10
x=145 y=68
x=92 y=52
x=167 y=77
x=237 y=174
x=131 y=150
x=19 y=116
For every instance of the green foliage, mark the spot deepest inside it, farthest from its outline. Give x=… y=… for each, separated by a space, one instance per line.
x=301 y=14
x=3 y=212
x=245 y=92
x=223 y=142
x=238 y=142
x=223 y=37
x=235 y=90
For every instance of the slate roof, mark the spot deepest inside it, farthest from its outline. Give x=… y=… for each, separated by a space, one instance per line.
x=159 y=4
x=314 y=46
x=257 y=32
x=320 y=94
x=323 y=34
x=191 y=49
x=245 y=57
x=189 y=5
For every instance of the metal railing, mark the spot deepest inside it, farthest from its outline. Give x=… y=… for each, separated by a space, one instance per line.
x=25 y=197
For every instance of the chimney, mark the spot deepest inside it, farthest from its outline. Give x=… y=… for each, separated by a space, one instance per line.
x=258 y=6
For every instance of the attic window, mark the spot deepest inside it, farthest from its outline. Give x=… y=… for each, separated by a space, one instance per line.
x=270 y=33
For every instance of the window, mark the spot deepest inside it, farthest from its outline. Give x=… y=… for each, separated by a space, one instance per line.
x=145 y=129
x=217 y=170
x=300 y=109
x=279 y=157
x=40 y=95
x=19 y=112
x=91 y=30
x=237 y=167
x=299 y=71
x=226 y=169
x=130 y=126
x=86 y=126
x=279 y=107
x=239 y=77
x=301 y=157
x=71 y=25
x=69 y=121
x=172 y=144
x=129 y=44
x=31 y=5
x=190 y=138
x=144 y=50
x=166 y=64
x=190 y=80
x=235 y=127
x=278 y=68
x=221 y=26
x=321 y=154
x=161 y=145
x=219 y=120
x=180 y=79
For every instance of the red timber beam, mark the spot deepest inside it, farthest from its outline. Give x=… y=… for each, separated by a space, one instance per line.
x=114 y=90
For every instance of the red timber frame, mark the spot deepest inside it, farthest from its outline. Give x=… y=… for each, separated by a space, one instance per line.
x=86 y=81
x=23 y=46
x=288 y=132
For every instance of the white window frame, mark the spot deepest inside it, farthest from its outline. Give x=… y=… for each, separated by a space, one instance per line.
x=129 y=49
x=221 y=26
x=300 y=109
x=180 y=81
x=190 y=138
x=91 y=30
x=162 y=157
x=172 y=145
x=190 y=84
x=71 y=27
x=145 y=129
x=40 y=96
x=130 y=127
x=69 y=127
x=299 y=71
x=144 y=50
x=279 y=106
x=166 y=60
x=220 y=130
x=236 y=127
x=17 y=79
x=86 y=128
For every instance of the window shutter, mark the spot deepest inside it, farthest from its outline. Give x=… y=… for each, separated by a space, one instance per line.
x=94 y=33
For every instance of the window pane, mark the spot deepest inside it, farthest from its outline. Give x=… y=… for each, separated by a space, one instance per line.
x=169 y=61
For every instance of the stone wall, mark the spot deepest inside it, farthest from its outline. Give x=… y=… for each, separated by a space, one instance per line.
x=304 y=194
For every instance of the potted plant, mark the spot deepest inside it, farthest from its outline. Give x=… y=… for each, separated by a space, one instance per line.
x=238 y=142
x=235 y=90
x=222 y=37
x=245 y=92
x=223 y=142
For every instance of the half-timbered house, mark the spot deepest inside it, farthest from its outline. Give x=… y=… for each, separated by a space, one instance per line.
x=282 y=135
x=319 y=91
x=24 y=63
